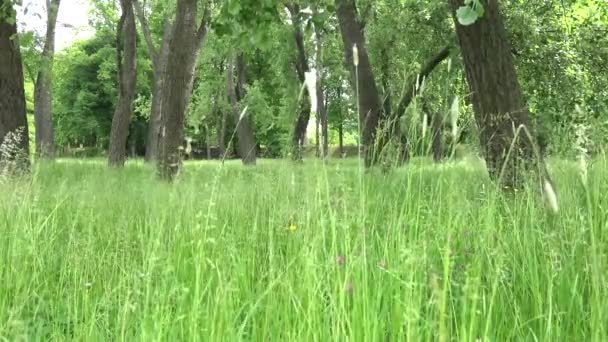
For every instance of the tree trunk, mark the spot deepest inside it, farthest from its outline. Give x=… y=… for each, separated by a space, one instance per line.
x=14 y=136
x=247 y=146
x=43 y=96
x=208 y=141
x=495 y=92
x=340 y=126
x=437 y=141
x=301 y=124
x=157 y=98
x=362 y=76
x=317 y=135
x=127 y=78
x=177 y=85
x=221 y=139
x=159 y=64
x=321 y=109
x=341 y=138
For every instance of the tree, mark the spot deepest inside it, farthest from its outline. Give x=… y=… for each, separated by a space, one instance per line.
x=303 y=116
x=321 y=107
x=187 y=40
x=43 y=92
x=495 y=92
x=247 y=146
x=14 y=135
x=362 y=76
x=126 y=35
x=159 y=57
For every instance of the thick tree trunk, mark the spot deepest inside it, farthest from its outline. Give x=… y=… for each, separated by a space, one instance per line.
x=497 y=99
x=127 y=79
x=246 y=146
x=177 y=86
x=156 y=103
x=43 y=96
x=362 y=76
x=301 y=123
x=159 y=64
x=14 y=136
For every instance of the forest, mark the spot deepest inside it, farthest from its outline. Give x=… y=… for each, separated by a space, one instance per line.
x=304 y=169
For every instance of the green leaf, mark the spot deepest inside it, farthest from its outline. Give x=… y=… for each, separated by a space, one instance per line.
x=466 y=15
x=479 y=9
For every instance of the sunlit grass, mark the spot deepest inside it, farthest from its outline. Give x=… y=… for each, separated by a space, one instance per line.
x=89 y=253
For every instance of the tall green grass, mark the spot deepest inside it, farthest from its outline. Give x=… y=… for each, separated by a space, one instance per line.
x=435 y=254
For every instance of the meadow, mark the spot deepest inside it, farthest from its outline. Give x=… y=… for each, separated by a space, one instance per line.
x=311 y=252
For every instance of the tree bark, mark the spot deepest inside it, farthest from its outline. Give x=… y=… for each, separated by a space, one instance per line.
x=362 y=77
x=43 y=88
x=208 y=141
x=321 y=108
x=495 y=92
x=159 y=63
x=247 y=146
x=317 y=135
x=14 y=136
x=177 y=85
x=127 y=78
x=157 y=96
x=340 y=126
x=222 y=134
x=437 y=141
x=301 y=124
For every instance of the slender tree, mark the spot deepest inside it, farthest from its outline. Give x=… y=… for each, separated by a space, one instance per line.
x=159 y=57
x=43 y=89
x=126 y=47
x=14 y=138
x=302 y=67
x=186 y=42
x=246 y=138
x=321 y=107
x=497 y=99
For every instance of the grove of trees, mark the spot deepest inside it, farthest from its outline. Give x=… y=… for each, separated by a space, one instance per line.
x=518 y=79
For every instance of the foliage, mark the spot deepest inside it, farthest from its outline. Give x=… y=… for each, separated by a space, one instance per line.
x=559 y=48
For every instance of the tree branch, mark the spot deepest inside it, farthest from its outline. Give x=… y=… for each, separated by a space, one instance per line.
x=411 y=90
x=364 y=17
x=204 y=26
x=145 y=27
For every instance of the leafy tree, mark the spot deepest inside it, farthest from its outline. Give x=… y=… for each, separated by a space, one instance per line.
x=500 y=110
